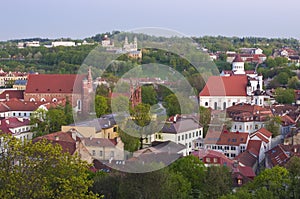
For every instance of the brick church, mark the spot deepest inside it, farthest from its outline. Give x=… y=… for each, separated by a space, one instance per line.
x=61 y=87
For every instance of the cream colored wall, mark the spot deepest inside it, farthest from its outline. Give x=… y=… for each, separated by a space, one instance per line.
x=106 y=153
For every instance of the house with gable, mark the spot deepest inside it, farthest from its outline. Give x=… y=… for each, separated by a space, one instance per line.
x=56 y=87
x=69 y=142
x=248 y=118
x=105 y=149
x=17 y=127
x=231 y=144
x=103 y=127
x=240 y=174
x=181 y=130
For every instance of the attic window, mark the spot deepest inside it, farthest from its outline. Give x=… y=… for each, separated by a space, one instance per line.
x=36 y=89
x=48 y=89
x=60 y=89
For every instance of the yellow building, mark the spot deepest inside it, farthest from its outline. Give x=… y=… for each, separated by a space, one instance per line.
x=104 y=127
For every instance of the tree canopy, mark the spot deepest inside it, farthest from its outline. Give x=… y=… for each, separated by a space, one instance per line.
x=41 y=170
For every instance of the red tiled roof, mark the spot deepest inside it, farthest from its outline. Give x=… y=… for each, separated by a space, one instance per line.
x=18 y=105
x=247 y=159
x=226 y=138
x=254 y=147
x=287 y=120
x=237 y=58
x=12 y=122
x=265 y=132
x=64 y=139
x=203 y=153
x=54 y=83
x=19 y=94
x=277 y=155
x=225 y=86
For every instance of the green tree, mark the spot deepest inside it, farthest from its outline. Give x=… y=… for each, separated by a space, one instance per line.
x=41 y=170
x=102 y=90
x=294 y=83
x=218 y=182
x=131 y=143
x=293 y=166
x=205 y=118
x=284 y=96
x=149 y=95
x=56 y=118
x=167 y=185
x=273 y=125
x=282 y=78
x=191 y=168
x=101 y=106
x=271 y=183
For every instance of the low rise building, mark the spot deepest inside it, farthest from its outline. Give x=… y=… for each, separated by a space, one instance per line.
x=180 y=131
x=231 y=144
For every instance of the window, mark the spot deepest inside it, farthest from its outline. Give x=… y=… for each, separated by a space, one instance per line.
x=178 y=137
x=215 y=160
x=79 y=104
x=93 y=152
x=207 y=159
x=190 y=144
x=115 y=129
x=232 y=155
x=226 y=147
x=235 y=127
x=182 y=137
x=224 y=105
x=206 y=103
x=240 y=127
x=233 y=103
x=215 y=105
x=219 y=147
x=196 y=133
x=100 y=153
x=190 y=135
x=256 y=126
x=214 y=147
x=233 y=148
x=240 y=181
x=193 y=134
x=186 y=136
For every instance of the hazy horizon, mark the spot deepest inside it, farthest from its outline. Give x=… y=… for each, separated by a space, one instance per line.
x=78 y=20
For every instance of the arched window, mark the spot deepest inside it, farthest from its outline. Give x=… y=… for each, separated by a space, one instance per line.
x=32 y=100
x=216 y=106
x=43 y=100
x=79 y=104
x=206 y=103
x=54 y=100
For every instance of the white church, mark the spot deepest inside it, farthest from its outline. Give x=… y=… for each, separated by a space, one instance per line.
x=233 y=87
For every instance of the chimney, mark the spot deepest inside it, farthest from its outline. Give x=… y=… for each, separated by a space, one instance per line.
x=295 y=150
x=7 y=97
x=56 y=138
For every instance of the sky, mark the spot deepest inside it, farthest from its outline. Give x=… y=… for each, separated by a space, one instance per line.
x=78 y=19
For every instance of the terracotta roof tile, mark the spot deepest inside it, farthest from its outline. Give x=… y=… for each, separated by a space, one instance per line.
x=54 y=83
x=19 y=94
x=225 y=86
x=254 y=147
